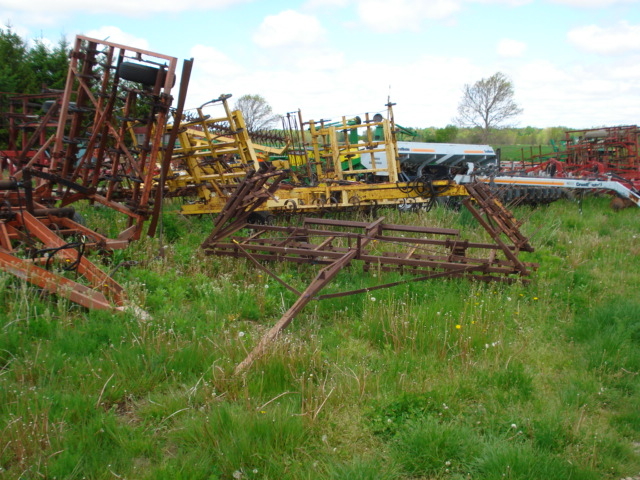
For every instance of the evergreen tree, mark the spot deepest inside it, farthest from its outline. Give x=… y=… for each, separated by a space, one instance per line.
x=49 y=66
x=15 y=74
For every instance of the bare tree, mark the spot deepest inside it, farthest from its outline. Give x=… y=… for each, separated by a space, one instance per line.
x=487 y=104
x=257 y=113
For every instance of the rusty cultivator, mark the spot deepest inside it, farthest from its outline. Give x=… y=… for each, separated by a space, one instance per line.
x=598 y=160
x=420 y=253
x=601 y=151
x=101 y=140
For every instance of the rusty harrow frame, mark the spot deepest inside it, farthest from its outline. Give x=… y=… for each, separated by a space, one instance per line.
x=421 y=253
x=101 y=140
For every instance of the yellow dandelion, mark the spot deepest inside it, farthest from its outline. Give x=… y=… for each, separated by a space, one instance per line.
x=458 y=327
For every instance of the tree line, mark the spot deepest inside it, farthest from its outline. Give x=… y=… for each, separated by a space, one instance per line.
x=499 y=136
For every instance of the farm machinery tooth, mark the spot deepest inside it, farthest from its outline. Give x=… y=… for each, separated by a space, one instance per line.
x=418 y=253
x=100 y=140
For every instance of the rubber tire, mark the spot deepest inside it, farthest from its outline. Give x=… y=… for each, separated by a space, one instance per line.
x=134 y=72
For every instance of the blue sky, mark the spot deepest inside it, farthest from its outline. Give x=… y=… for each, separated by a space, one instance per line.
x=573 y=63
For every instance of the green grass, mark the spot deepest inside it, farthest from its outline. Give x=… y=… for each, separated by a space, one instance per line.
x=444 y=379
x=518 y=153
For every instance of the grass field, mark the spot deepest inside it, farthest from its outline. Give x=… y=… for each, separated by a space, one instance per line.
x=518 y=153
x=445 y=379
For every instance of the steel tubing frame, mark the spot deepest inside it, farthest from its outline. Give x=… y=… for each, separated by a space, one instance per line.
x=95 y=156
x=336 y=244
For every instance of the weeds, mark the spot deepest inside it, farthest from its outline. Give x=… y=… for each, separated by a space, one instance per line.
x=441 y=379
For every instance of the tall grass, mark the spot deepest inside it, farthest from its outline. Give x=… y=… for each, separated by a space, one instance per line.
x=441 y=379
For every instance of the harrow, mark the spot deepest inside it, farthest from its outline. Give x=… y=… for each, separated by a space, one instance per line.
x=101 y=141
x=418 y=253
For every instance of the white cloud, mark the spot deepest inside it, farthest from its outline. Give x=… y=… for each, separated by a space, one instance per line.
x=511 y=48
x=626 y=72
x=21 y=21
x=289 y=28
x=576 y=96
x=619 y=39
x=324 y=4
x=214 y=74
x=357 y=87
x=594 y=3
x=328 y=81
x=124 y=7
x=214 y=64
x=544 y=73
x=322 y=60
x=551 y=92
x=508 y=3
x=386 y=16
x=115 y=35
